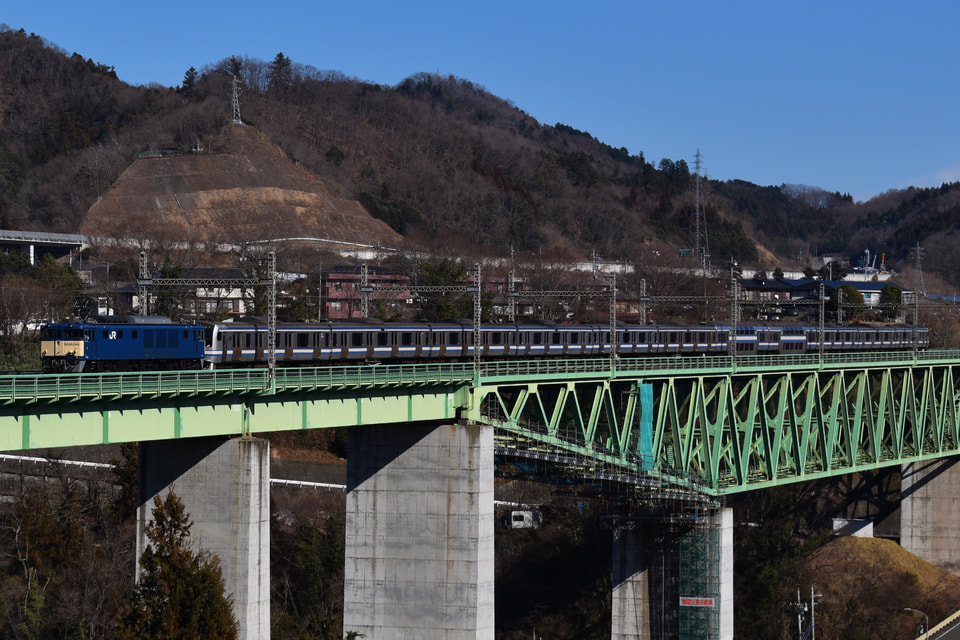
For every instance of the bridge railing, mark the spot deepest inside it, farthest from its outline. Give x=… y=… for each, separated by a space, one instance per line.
x=67 y=387
x=492 y=370
x=369 y=376
x=37 y=388
x=92 y=386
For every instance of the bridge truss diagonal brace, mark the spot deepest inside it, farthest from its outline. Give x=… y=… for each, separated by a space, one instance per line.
x=731 y=431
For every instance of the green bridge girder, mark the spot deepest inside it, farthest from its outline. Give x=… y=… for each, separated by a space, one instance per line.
x=713 y=424
x=43 y=411
x=721 y=426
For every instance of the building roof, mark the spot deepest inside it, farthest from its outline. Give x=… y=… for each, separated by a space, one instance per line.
x=808 y=286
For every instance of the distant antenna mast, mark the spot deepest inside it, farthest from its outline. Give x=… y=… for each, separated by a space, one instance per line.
x=701 y=247
x=918 y=266
x=235 y=101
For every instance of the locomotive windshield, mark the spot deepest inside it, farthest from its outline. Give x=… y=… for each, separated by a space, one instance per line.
x=61 y=333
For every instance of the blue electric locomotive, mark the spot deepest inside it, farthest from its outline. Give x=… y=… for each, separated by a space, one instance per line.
x=126 y=343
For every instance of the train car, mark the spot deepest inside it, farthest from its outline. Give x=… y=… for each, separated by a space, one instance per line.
x=126 y=343
x=143 y=343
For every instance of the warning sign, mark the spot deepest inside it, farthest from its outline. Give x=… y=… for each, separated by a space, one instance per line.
x=696 y=602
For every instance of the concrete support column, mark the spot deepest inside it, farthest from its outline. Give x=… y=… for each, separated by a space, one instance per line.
x=631 y=573
x=723 y=519
x=224 y=485
x=419 y=532
x=930 y=511
x=673 y=579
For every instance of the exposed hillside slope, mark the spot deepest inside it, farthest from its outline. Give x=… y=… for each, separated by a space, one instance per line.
x=867 y=582
x=245 y=190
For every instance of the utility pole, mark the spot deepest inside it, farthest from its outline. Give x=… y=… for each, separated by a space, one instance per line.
x=320 y=293
x=918 y=291
x=918 y=267
x=511 y=280
x=814 y=599
x=143 y=291
x=364 y=298
x=801 y=609
x=477 y=309
x=734 y=308
x=613 y=322
x=822 y=313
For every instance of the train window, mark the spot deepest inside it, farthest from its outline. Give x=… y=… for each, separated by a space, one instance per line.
x=406 y=339
x=133 y=334
x=454 y=338
x=382 y=339
x=557 y=337
x=496 y=337
x=574 y=337
x=537 y=337
x=357 y=339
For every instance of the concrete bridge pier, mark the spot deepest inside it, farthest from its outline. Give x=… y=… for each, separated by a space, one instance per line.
x=224 y=484
x=930 y=511
x=419 y=532
x=670 y=580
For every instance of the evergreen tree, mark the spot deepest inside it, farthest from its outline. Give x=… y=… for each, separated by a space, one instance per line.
x=442 y=305
x=190 y=82
x=235 y=67
x=891 y=301
x=280 y=76
x=180 y=593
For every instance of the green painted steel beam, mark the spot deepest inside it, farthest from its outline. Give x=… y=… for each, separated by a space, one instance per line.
x=727 y=426
x=88 y=409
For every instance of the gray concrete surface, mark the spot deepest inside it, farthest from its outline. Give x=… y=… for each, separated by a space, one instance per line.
x=419 y=532
x=224 y=485
x=930 y=512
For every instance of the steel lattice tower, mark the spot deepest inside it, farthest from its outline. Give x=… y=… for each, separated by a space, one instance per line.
x=918 y=267
x=235 y=101
x=701 y=248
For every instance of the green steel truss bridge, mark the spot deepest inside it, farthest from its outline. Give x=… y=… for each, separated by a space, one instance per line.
x=713 y=425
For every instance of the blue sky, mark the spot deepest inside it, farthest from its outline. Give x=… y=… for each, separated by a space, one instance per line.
x=856 y=97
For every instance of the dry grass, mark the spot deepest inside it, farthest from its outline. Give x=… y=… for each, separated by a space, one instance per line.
x=866 y=584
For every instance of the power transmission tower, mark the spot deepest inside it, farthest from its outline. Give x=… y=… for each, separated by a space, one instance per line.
x=701 y=248
x=918 y=266
x=235 y=101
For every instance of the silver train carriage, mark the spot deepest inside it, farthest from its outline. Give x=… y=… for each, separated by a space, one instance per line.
x=231 y=344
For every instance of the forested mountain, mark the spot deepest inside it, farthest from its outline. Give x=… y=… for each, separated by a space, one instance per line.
x=439 y=159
